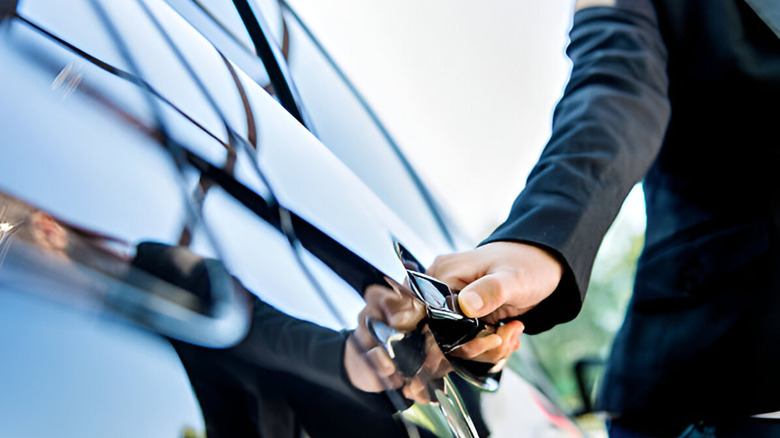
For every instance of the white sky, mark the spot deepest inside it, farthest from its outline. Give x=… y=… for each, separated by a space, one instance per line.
x=467 y=88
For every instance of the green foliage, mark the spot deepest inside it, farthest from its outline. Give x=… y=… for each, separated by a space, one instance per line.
x=189 y=432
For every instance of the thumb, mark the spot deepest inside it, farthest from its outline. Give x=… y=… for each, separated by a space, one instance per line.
x=481 y=297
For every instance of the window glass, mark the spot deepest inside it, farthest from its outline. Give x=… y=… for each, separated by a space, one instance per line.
x=336 y=115
x=221 y=24
x=346 y=127
x=85 y=154
x=262 y=258
x=91 y=195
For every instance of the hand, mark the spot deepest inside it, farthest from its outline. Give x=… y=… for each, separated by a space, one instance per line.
x=369 y=372
x=500 y=279
x=495 y=347
x=368 y=365
x=367 y=362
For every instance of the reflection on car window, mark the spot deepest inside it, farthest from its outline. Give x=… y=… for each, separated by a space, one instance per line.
x=163 y=287
x=19 y=220
x=351 y=132
x=140 y=170
x=220 y=22
x=355 y=136
x=91 y=171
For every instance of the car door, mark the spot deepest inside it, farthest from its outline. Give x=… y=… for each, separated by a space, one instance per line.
x=130 y=136
x=162 y=189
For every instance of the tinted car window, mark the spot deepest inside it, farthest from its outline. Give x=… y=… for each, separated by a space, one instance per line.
x=147 y=152
x=346 y=125
x=149 y=177
x=78 y=183
x=333 y=110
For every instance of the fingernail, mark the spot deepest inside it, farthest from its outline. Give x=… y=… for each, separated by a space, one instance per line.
x=471 y=301
x=498 y=366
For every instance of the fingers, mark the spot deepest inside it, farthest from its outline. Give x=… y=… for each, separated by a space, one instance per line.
x=510 y=335
x=466 y=272
x=457 y=270
x=417 y=390
x=495 y=347
x=500 y=279
x=482 y=297
x=494 y=295
x=384 y=368
x=496 y=281
x=477 y=348
x=393 y=307
x=373 y=371
x=366 y=361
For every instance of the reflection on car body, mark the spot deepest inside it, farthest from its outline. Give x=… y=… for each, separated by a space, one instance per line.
x=156 y=198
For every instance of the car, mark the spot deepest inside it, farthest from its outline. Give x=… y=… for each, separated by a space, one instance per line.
x=194 y=202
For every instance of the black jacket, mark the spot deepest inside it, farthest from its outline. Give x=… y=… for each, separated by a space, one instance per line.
x=681 y=95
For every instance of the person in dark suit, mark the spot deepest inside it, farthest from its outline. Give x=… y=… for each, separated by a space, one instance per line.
x=680 y=95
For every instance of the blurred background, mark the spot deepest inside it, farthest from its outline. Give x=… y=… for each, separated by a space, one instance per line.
x=467 y=89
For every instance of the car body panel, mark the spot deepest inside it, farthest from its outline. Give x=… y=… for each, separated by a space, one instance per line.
x=135 y=155
x=87 y=374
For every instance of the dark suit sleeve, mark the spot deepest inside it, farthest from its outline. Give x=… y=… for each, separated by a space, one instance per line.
x=280 y=342
x=276 y=341
x=607 y=130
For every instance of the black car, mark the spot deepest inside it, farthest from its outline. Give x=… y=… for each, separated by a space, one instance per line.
x=193 y=203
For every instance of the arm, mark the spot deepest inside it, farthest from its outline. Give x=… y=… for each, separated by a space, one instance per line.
x=607 y=130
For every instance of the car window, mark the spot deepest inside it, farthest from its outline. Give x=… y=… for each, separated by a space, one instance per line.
x=221 y=24
x=146 y=175
x=132 y=135
x=347 y=126
x=76 y=185
x=333 y=110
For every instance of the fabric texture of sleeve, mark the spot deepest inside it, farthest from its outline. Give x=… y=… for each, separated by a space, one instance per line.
x=607 y=130
x=280 y=342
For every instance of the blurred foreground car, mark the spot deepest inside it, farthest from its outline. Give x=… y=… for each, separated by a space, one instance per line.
x=180 y=253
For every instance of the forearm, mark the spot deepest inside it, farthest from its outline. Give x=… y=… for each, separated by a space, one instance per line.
x=607 y=130
x=280 y=342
